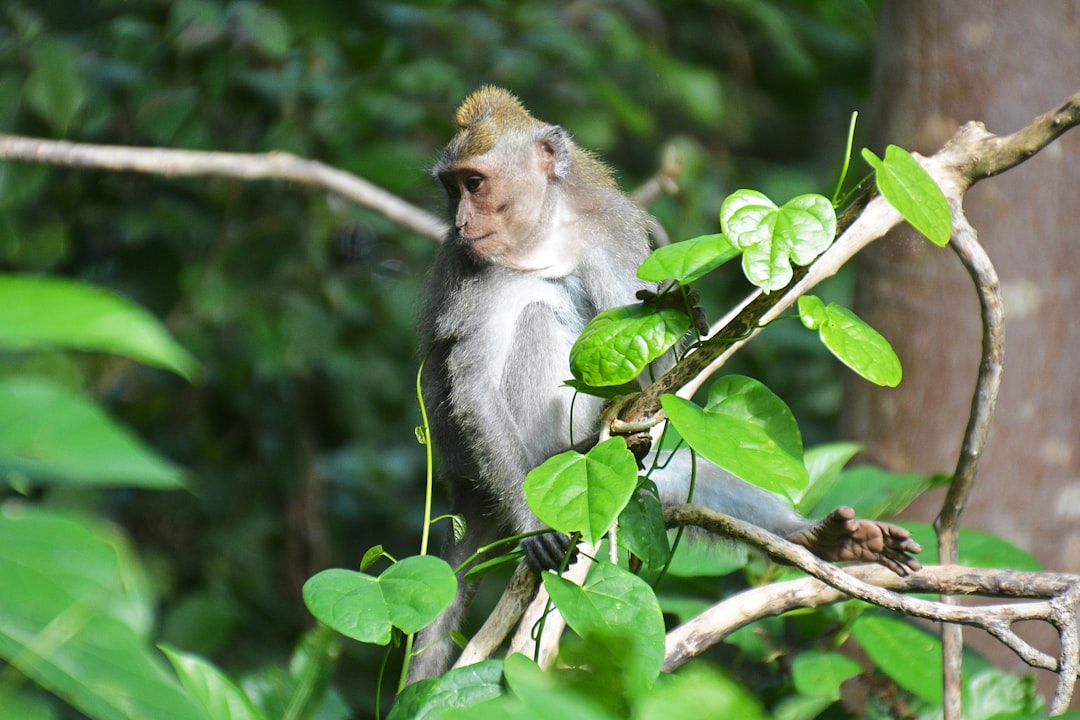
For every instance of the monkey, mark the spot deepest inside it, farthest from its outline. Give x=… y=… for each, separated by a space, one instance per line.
x=541 y=240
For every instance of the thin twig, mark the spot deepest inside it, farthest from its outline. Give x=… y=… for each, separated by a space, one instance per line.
x=965 y=243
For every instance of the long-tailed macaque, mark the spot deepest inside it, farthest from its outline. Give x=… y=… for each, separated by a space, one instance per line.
x=543 y=240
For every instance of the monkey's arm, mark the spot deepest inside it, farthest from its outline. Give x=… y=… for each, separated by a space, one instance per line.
x=510 y=403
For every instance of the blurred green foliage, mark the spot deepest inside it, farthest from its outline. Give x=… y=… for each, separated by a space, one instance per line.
x=297 y=439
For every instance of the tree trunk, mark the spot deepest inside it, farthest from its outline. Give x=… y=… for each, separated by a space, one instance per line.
x=1002 y=62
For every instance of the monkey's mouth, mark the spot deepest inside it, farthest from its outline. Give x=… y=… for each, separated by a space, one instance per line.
x=470 y=241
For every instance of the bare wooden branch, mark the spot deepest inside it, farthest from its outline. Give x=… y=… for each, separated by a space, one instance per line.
x=273 y=166
x=720 y=620
x=244 y=166
x=520 y=591
x=1060 y=608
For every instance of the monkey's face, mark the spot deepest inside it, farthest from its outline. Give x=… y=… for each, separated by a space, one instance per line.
x=498 y=208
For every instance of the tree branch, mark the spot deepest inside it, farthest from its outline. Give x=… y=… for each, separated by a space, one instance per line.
x=876 y=585
x=244 y=166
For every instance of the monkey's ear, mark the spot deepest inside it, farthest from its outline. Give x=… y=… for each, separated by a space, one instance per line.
x=553 y=144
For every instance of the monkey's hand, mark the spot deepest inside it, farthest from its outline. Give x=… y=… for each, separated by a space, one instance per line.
x=840 y=536
x=547 y=550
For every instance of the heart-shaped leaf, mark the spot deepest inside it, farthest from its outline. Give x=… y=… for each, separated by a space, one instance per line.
x=408 y=595
x=618 y=343
x=460 y=688
x=571 y=492
x=772 y=238
x=754 y=437
x=614 y=602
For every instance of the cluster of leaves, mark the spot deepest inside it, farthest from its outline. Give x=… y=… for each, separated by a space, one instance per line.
x=296 y=436
x=74 y=592
x=612 y=666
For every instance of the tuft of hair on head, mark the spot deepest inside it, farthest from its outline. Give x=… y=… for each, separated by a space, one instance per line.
x=484 y=117
x=491 y=104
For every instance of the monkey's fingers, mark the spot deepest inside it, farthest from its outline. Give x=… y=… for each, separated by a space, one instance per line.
x=840 y=536
x=546 y=551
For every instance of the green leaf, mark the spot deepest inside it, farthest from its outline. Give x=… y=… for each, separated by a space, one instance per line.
x=461 y=688
x=872 y=492
x=824 y=464
x=41 y=312
x=536 y=695
x=689 y=260
x=615 y=603
x=16 y=705
x=618 y=343
x=696 y=691
x=55 y=89
x=747 y=431
x=994 y=694
x=609 y=392
x=264 y=26
x=50 y=434
x=747 y=398
x=219 y=695
x=571 y=492
x=821 y=673
x=907 y=654
x=642 y=530
x=408 y=595
x=75 y=613
x=773 y=238
x=351 y=603
x=417 y=589
x=978 y=549
x=373 y=555
x=852 y=341
x=910 y=189
x=480 y=569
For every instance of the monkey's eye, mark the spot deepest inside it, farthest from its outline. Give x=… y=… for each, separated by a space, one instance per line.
x=474 y=182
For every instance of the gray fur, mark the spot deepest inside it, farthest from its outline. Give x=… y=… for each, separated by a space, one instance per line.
x=497 y=342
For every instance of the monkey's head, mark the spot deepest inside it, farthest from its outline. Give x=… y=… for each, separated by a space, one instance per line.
x=507 y=177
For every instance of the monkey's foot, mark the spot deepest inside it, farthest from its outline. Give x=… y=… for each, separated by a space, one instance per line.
x=840 y=536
